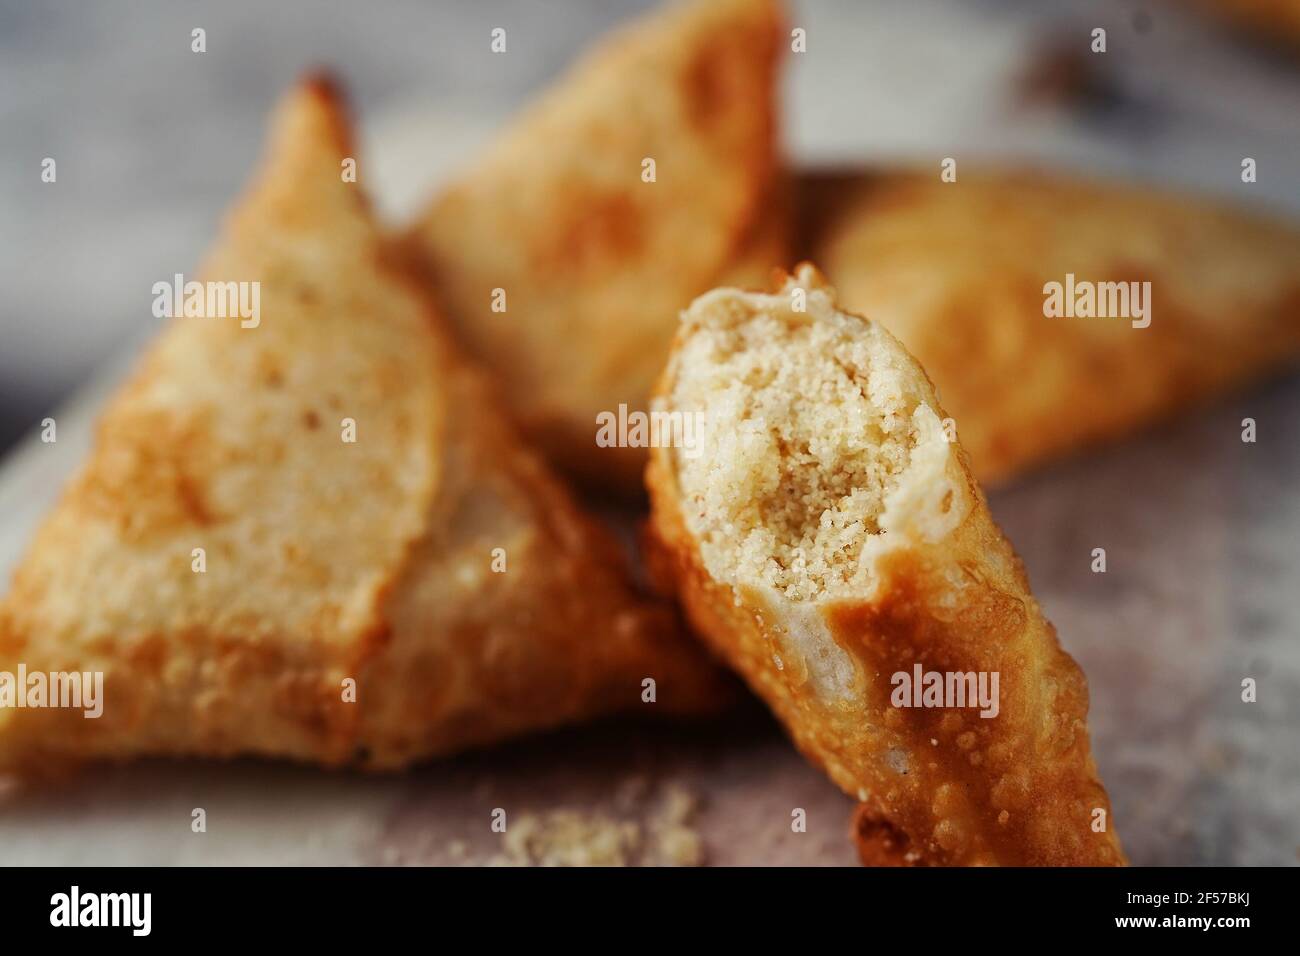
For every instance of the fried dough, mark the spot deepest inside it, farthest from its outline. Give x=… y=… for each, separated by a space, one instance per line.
x=344 y=607
x=830 y=538
x=957 y=272
x=592 y=260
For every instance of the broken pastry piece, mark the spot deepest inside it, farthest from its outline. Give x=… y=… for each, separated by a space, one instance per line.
x=829 y=542
x=647 y=175
x=315 y=537
x=958 y=272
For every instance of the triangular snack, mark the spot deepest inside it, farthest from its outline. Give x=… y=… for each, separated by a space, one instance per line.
x=560 y=636
x=958 y=272
x=829 y=541
x=250 y=581
x=560 y=265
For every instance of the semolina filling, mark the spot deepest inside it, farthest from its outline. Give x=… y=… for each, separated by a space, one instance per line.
x=809 y=427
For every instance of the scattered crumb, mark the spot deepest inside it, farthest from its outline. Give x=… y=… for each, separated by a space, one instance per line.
x=676 y=843
x=679 y=846
x=679 y=805
x=568 y=837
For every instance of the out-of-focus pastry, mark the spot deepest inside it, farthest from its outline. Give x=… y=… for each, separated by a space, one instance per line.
x=961 y=272
x=306 y=531
x=827 y=539
x=561 y=264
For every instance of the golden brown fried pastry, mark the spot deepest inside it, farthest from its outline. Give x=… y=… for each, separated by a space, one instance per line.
x=344 y=604
x=829 y=541
x=559 y=636
x=591 y=259
x=957 y=271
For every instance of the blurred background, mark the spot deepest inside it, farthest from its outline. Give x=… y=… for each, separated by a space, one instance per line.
x=152 y=141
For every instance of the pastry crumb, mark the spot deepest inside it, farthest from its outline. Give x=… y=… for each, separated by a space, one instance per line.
x=568 y=837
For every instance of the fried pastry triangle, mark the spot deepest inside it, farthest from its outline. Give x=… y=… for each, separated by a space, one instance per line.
x=958 y=272
x=250 y=581
x=831 y=544
x=560 y=264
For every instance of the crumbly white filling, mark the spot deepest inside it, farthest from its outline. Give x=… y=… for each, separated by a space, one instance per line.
x=811 y=422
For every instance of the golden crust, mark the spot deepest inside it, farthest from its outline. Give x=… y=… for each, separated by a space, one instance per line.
x=325 y=560
x=956 y=271
x=228 y=439
x=559 y=636
x=1019 y=788
x=594 y=261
